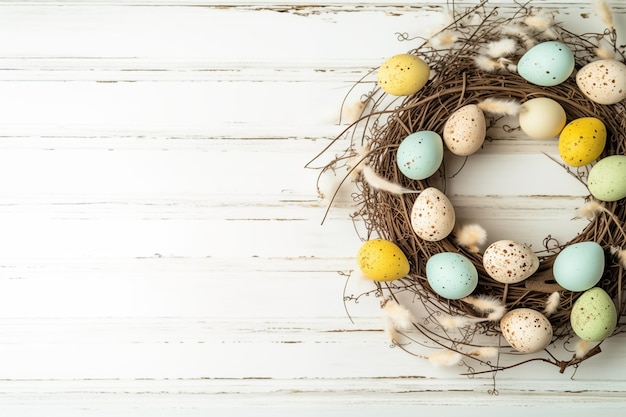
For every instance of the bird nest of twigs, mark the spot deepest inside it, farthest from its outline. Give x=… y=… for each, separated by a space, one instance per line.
x=471 y=65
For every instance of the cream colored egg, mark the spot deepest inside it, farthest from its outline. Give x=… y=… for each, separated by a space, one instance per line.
x=509 y=262
x=465 y=130
x=432 y=216
x=603 y=81
x=542 y=118
x=526 y=330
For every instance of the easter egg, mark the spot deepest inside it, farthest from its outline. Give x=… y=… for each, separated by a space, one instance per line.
x=451 y=275
x=593 y=316
x=607 y=178
x=382 y=260
x=403 y=74
x=542 y=118
x=465 y=130
x=603 y=81
x=546 y=64
x=509 y=262
x=432 y=216
x=579 y=266
x=526 y=330
x=582 y=141
x=420 y=154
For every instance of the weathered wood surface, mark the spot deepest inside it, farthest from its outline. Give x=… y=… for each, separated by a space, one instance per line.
x=161 y=251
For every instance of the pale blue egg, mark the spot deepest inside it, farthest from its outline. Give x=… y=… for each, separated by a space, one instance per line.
x=451 y=275
x=579 y=266
x=546 y=64
x=420 y=154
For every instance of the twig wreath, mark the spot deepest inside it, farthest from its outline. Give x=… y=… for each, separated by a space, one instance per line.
x=506 y=298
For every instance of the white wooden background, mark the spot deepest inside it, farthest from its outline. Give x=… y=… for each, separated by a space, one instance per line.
x=161 y=252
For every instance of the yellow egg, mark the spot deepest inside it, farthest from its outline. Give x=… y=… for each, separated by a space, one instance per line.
x=582 y=141
x=403 y=75
x=382 y=260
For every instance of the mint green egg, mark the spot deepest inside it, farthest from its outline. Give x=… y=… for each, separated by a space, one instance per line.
x=607 y=178
x=547 y=64
x=593 y=316
x=420 y=154
x=579 y=266
x=451 y=275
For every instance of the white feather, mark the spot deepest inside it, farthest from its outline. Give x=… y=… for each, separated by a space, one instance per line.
x=455 y=322
x=471 y=236
x=582 y=348
x=552 y=303
x=604 y=12
x=486 y=352
x=383 y=184
x=484 y=303
x=445 y=358
x=398 y=316
x=501 y=48
x=487 y=64
x=501 y=107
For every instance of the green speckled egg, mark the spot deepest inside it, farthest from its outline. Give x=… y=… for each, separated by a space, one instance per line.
x=593 y=315
x=607 y=178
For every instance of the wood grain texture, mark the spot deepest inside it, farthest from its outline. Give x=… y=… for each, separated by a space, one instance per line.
x=162 y=246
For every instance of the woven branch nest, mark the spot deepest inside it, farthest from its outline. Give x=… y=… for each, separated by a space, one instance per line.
x=455 y=82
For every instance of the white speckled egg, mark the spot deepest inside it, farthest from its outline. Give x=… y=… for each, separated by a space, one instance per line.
x=594 y=316
x=465 y=130
x=603 y=81
x=509 y=262
x=432 y=216
x=526 y=330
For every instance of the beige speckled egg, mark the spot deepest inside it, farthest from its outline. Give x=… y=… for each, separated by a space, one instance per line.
x=526 y=330
x=465 y=130
x=603 y=81
x=432 y=216
x=509 y=262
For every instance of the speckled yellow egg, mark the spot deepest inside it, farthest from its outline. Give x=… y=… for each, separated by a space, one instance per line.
x=432 y=216
x=509 y=262
x=526 y=330
x=603 y=81
x=403 y=75
x=465 y=130
x=593 y=316
x=382 y=260
x=582 y=141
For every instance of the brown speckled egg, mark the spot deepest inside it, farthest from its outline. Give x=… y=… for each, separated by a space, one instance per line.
x=465 y=130
x=603 y=81
x=526 y=330
x=432 y=216
x=509 y=262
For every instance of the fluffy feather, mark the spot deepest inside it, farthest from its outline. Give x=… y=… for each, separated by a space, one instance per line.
x=383 y=184
x=604 y=12
x=398 y=316
x=552 y=303
x=487 y=64
x=484 y=303
x=503 y=47
x=455 y=322
x=444 y=39
x=486 y=352
x=540 y=21
x=582 y=348
x=604 y=53
x=356 y=162
x=620 y=254
x=590 y=209
x=471 y=237
x=445 y=358
x=501 y=107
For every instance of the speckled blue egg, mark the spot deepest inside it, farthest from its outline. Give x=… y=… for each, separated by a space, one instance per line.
x=546 y=64
x=451 y=275
x=579 y=266
x=420 y=154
